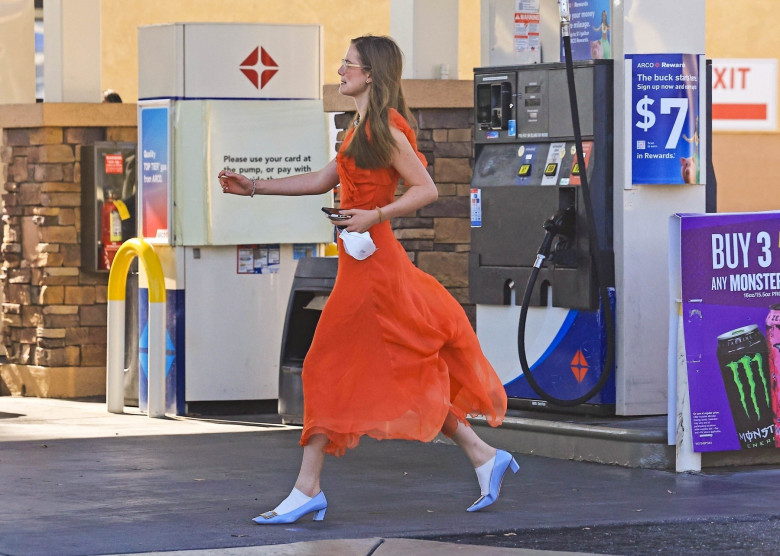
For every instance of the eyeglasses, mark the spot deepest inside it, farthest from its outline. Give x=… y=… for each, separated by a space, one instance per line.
x=346 y=64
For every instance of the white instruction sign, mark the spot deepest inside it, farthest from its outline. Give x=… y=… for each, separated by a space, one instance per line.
x=267 y=140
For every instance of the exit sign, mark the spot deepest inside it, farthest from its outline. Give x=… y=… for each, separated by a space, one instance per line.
x=744 y=94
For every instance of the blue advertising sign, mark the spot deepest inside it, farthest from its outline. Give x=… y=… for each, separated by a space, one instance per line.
x=590 y=30
x=664 y=104
x=154 y=175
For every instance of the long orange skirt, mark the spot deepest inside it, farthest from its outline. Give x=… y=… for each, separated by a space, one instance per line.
x=392 y=355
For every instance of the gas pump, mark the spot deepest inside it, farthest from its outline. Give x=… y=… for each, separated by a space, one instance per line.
x=527 y=193
x=246 y=97
x=529 y=148
x=532 y=224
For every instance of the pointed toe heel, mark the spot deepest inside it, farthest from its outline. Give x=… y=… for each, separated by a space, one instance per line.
x=317 y=504
x=504 y=461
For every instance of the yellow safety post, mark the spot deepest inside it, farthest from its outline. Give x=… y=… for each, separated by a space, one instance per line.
x=117 y=280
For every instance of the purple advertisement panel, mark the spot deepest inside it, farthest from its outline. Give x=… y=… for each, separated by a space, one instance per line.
x=730 y=266
x=664 y=113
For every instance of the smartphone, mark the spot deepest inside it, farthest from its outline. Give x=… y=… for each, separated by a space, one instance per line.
x=333 y=214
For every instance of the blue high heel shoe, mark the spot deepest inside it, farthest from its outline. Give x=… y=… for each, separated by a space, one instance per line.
x=317 y=504
x=504 y=461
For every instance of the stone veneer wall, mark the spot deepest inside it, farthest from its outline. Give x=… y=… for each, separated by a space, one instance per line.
x=437 y=237
x=53 y=311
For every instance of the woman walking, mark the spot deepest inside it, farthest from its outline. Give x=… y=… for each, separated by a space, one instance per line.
x=394 y=354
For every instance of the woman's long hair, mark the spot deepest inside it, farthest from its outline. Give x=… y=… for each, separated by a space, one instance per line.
x=385 y=59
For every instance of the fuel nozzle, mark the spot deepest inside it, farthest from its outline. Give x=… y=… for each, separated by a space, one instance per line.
x=559 y=224
x=563 y=10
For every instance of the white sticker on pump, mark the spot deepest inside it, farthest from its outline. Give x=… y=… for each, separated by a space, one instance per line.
x=553 y=165
x=476 y=208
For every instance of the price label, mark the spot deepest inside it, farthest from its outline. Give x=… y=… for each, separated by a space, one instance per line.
x=647 y=118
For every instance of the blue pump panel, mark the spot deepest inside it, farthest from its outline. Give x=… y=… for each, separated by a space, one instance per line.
x=573 y=361
x=174 y=351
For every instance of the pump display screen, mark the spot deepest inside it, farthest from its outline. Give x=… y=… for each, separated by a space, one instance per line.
x=533 y=102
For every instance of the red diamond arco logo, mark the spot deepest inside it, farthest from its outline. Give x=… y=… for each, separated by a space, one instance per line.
x=579 y=365
x=248 y=65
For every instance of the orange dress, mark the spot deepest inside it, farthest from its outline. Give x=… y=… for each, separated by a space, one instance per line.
x=393 y=352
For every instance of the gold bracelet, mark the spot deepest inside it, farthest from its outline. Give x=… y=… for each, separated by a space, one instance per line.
x=379 y=210
x=254 y=185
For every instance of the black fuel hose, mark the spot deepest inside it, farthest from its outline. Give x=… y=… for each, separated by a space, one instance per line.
x=606 y=303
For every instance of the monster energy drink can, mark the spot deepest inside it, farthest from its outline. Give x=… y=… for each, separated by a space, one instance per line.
x=773 y=341
x=744 y=364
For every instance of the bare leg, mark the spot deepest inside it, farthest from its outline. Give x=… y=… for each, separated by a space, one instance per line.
x=489 y=464
x=477 y=450
x=308 y=481
x=306 y=497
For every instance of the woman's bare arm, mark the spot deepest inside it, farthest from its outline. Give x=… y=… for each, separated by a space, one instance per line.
x=312 y=183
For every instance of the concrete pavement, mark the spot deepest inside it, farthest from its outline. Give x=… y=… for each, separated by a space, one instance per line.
x=364 y=547
x=77 y=480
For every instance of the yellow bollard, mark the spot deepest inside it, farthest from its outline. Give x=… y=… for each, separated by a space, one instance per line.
x=117 y=280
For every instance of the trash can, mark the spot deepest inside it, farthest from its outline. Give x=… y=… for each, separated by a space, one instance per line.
x=310 y=289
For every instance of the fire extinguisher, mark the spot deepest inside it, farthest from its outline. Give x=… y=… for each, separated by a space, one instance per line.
x=110 y=232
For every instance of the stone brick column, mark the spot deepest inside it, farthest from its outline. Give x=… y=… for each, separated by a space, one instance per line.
x=445 y=138
x=53 y=311
x=436 y=237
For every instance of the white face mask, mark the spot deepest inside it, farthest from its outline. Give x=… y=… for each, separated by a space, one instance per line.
x=358 y=245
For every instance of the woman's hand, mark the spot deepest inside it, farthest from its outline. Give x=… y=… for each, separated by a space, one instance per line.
x=235 y=184
x=359 y=221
